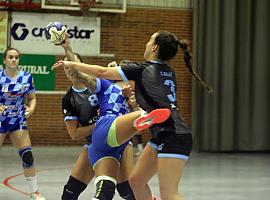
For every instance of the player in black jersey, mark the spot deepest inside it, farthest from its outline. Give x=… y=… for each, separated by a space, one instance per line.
x=168 y=151
x=80 y=108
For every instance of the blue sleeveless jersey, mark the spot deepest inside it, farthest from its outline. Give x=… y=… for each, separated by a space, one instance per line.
x=110 y=98
x=112 y=104
x=12 y=94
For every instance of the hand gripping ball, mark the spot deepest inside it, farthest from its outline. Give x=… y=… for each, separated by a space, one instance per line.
x=55 y=32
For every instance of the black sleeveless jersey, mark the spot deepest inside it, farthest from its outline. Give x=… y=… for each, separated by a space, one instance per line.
x=156 y=88
x=80 y=105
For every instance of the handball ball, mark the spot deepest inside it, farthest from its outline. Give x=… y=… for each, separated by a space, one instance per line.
x=55 y=32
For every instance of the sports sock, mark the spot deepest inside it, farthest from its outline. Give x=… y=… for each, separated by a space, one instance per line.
x=125 y=191
x=73 y=189
x=32 y=184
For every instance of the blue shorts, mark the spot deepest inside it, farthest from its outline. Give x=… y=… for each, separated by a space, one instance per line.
x=99 y=148
x=6 y=128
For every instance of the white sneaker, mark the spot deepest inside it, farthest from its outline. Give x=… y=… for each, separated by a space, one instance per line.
x=36 y=196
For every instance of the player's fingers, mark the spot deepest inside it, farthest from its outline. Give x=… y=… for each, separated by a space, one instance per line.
x=58 y=64
x=67 y=36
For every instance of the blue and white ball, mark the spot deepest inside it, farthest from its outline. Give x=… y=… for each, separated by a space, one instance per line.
x=55 y=32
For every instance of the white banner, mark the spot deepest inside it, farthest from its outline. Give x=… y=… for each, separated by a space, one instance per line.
x=27 y=33
x=3 y=31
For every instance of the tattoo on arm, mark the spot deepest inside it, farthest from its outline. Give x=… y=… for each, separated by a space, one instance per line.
x=88 y=81
x=70 y=55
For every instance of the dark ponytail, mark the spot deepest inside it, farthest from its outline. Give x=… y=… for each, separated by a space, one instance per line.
x=187 y=58
x=168 y=48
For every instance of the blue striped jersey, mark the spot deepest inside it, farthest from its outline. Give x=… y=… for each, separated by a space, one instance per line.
x=110 y=98
x=12 y=95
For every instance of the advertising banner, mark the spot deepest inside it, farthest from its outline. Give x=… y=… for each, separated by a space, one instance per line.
x=40 y=68
x=27 y=33
x=3 y=31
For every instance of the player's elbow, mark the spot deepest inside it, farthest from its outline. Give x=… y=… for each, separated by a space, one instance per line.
x=73 y=137
x=109 y=73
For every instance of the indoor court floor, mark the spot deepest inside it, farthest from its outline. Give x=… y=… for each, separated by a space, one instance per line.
x=207 y=176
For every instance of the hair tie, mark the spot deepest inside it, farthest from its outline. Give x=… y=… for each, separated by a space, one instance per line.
x=183 y=44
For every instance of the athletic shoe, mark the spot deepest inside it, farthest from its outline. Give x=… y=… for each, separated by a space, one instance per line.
x=154 y=117
x=154 y=197
x=36 y=196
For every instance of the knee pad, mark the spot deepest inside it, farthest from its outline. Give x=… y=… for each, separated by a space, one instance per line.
x=73 y=189
x=125 y=191
x=105 y=188
x=26 y=157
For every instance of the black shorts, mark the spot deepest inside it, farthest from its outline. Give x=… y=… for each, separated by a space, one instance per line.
x=172 y=145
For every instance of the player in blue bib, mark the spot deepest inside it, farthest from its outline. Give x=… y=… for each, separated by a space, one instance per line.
x=16 y=87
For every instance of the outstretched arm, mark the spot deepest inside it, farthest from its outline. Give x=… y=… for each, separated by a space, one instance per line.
x=93 y=70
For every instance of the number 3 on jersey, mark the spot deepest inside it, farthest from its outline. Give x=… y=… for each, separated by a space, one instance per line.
x=171 y=84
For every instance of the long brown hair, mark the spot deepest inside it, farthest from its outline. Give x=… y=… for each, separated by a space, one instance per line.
x=168 y=48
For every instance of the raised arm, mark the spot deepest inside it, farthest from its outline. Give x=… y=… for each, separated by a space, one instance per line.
x=86 y=80
x=68 y=50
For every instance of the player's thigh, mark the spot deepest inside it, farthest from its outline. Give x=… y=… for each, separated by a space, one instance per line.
x=126 y=164
x=2 y=139
x=170 y=171
x=82 y=169
x=107 y=167
x=20 y=138
x=145 y=167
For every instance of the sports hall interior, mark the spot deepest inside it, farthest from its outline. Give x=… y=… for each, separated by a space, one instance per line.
x=229 y=42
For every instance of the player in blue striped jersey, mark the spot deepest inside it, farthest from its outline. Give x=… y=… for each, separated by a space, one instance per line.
x=79 y=107
x=17 y=89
